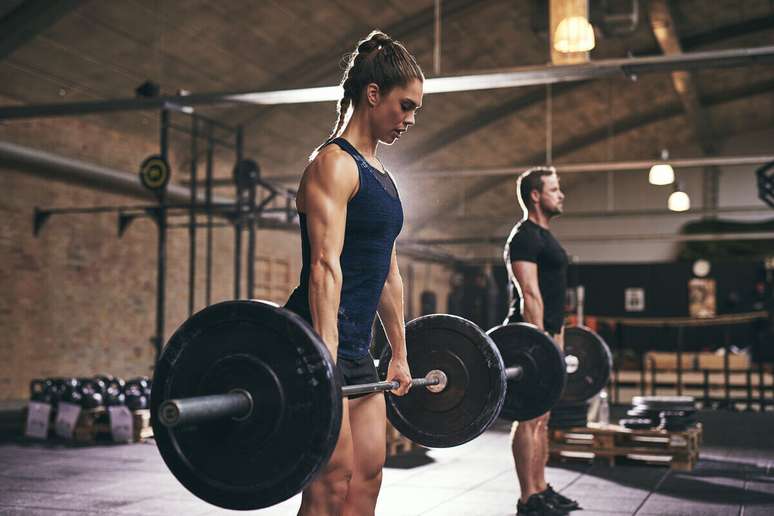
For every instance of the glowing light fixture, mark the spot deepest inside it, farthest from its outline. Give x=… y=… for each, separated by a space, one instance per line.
x=679 y=200
x=574 y=34
x=662 y=173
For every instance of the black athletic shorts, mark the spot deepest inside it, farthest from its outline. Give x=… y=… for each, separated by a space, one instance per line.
x=352 y=371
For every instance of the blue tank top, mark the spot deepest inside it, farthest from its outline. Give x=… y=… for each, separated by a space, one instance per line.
x=374 y=219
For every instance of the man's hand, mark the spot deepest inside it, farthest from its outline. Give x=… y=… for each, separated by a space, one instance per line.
x=399 y=370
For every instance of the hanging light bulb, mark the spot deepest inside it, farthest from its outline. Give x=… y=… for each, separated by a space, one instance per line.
x=662 y=173
x=574 y=34
x=679 y=200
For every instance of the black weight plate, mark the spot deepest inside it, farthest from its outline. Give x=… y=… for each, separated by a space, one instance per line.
x=594 y=363
x=473 y=395
x=678 y=415
x=636 y=424
x=544 y=377
x=643 y=413
x=274 y=355
x=154 y=173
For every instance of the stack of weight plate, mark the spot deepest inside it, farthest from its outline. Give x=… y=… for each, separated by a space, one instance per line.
x=569 y=414
x=672 y=413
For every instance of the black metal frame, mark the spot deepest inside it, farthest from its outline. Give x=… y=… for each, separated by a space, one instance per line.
x=244 y=213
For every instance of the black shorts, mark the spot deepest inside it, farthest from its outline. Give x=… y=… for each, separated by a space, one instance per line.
x=354 y=371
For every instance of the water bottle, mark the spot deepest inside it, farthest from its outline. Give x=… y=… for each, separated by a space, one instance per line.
x=604 y=408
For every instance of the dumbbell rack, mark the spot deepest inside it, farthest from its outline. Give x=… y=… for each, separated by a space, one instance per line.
x=679 y=450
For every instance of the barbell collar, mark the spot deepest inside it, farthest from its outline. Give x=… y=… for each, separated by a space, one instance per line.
x=514 y=373
x=237 y=404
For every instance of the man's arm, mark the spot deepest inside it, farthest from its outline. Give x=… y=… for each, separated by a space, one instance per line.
x=526 y=274
x=328 y=184
x=391 y=313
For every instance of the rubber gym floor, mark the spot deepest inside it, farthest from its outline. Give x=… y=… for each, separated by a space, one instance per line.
x=734 y=476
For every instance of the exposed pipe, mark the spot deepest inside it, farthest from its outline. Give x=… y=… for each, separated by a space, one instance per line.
x=698 y=237
x=571 y=168
x=508 y=78
x=54 y=166
x=499 y=220
x=620 y=166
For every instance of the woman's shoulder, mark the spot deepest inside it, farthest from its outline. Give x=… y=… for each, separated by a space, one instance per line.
x=332 y=165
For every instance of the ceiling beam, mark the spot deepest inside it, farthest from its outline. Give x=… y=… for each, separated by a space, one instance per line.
x=512 y=78
x=496 y=221
x=562 y=168
x=497 y=240
x=604 y=166
x=664 y=30
x=28 y=20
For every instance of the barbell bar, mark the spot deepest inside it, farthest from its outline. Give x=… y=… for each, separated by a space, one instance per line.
x=238 y=404
x=246 y=406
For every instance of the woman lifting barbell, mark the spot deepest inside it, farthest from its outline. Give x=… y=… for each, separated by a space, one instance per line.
x=350 y=214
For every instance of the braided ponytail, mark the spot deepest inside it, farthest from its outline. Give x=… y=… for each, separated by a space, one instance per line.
x=377 y=59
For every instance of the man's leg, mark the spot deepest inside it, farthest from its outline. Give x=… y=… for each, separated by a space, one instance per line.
x=327 y=493
x=524 y=453
x=540 y=456
x=368 y=421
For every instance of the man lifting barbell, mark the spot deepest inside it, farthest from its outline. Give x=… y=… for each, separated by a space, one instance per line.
x=537 y=270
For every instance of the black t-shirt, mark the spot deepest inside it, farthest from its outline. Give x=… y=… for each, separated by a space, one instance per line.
x=531 y=243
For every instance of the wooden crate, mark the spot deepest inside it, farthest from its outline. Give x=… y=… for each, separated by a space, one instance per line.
x=679 y=450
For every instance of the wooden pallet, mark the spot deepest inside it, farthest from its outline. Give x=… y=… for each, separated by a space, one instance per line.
x=679 y=450
x=94 y=426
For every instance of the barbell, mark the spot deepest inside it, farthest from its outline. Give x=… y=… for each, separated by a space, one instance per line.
x=246 y=407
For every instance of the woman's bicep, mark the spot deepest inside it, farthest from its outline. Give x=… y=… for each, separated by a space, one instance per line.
x=327 y=189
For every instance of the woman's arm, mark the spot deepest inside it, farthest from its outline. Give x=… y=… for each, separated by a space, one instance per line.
x=328 y=184
x=391 y=314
